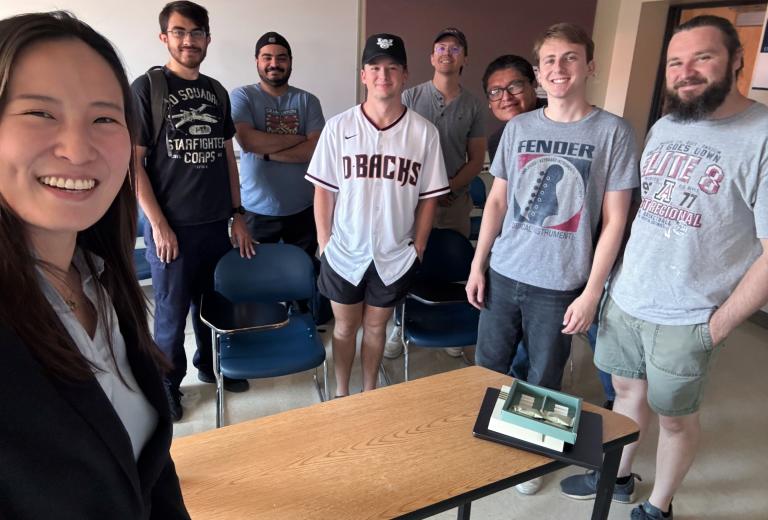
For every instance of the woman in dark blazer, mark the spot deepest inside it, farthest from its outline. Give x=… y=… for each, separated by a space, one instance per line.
x=85 y=429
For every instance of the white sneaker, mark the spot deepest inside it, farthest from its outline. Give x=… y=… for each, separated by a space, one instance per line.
x=529 y=488
x=394 y=346
x=454 y=351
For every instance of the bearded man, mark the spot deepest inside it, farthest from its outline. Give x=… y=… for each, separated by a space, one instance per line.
x=278 y=126
x=695 y=266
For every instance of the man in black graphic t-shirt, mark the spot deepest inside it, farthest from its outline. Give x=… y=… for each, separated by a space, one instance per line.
x=188 y=188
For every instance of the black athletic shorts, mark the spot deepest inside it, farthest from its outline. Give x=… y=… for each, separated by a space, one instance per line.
x=371 y=289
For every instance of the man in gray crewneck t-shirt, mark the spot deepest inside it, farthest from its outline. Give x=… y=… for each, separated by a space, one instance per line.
x=695 y=265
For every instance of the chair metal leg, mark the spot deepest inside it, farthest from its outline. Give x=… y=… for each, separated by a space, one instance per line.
x=324 y=392
x=325 y=381
x=383 y=375
x=219 y=379
x=405 y=359
x=405 y=344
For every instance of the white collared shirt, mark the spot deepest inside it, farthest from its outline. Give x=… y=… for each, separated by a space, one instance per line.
x=379 y=176
x=136 y=413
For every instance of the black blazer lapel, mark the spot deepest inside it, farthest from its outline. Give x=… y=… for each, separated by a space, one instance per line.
x=154 y=456
x=89 y=400
x=86 y=398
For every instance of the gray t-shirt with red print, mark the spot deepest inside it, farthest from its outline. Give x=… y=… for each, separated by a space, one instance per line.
x=704 y=209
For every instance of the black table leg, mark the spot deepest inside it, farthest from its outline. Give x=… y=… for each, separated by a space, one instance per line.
x=464 y=510
x=605 y=485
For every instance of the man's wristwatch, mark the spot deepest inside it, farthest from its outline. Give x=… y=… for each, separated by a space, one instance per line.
x=266 y=157
x=240 y=210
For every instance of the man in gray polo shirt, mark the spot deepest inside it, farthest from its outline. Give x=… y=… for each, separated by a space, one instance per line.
x=460 y=120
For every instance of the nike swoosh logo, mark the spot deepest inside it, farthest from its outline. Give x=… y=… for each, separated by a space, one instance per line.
x=349 y=136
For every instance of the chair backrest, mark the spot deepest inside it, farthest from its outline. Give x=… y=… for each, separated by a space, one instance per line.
x=477 y=192
x=447 y=258
x=276 y=273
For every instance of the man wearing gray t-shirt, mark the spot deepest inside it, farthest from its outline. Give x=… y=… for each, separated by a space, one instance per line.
x=554 y=219
x=695 y=265
x=558 y=171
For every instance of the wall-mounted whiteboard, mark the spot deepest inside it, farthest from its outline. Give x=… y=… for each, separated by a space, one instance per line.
x=323 y=36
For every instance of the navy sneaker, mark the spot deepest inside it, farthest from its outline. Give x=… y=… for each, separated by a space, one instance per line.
x=584 y=487
x=230 y=385
x=648 y=511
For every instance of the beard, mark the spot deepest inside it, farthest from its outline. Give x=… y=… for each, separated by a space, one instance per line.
x=275 y=82
x=701 y=106
x=186 y=60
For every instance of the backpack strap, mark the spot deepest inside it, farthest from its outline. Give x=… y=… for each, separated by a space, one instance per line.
x=158 y=91
x=222 y=94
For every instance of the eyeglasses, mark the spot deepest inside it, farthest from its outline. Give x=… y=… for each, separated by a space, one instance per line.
x=195 y=34
x=496 y=93
x=448 y=49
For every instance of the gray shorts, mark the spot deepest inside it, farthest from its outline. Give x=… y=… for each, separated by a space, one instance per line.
x=675 y=359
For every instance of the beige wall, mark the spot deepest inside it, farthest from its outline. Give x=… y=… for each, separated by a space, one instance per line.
x=629 y=36
x=645 y=65
x=603 y=34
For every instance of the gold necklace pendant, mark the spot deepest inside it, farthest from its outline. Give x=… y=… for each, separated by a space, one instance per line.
x=72 y=304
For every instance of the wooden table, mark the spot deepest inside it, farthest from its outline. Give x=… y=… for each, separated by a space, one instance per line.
x=404 y=451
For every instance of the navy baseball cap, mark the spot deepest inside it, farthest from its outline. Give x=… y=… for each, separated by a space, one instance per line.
x=385 y=44
x=273 y=38
x=456 y=33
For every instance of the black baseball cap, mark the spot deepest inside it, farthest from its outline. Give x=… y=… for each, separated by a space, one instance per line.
x=273 y=38
x=385 y=44
x=456 y=33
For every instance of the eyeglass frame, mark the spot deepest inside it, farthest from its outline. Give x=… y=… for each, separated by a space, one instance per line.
x=518 y=83
x=195 y=34
x=453 y=50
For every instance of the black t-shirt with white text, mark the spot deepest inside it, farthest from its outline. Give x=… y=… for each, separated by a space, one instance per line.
x=187 y=167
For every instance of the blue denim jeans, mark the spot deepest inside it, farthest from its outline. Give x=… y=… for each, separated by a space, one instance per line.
x=178 y=286
x=605 y=378
x=514 y=312
x=520 y=364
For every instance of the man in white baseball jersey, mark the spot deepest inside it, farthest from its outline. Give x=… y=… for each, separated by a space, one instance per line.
x=378 y=170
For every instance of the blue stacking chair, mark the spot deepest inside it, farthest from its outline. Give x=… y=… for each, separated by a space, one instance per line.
x=251 y=339
x=140 y=253
x=479 y=196
x=436 y=313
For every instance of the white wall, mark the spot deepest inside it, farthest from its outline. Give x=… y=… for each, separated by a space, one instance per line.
x=323 y=37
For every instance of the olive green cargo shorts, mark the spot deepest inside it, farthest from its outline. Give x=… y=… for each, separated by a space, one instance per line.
x=674 y=359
